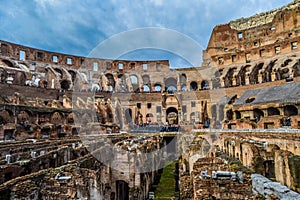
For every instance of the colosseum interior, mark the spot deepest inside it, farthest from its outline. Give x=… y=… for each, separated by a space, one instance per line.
x=239 y=111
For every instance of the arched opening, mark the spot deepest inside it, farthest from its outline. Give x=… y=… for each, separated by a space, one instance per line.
x=64 y=84
x=183 y=87
x=172 y=115
x=6 y=116
x=146 y=83
x=128 y=116
x=134 y=83
x=59 y=72
x=193 y=86
x=228 y=77
x=290 y=110
x=95 y=87
x=146 y=88
x=73 y=75
x=149 y=117
x=267 y=74
x=241 y=77
x=182 y=79
x=254 y=74
x=111 y=81
x=273 y=111
x=204 y=85
x=229 y=114
x=269 y=169
x=171 y=84
x=296 y=69
x=258 y=114
x=56 y=118
x=171 y=88
x=237 y=114
x=122 y=190
x=157 y=87
x=7 y=63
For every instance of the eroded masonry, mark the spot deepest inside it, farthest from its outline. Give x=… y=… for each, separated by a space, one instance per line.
x=247 y=91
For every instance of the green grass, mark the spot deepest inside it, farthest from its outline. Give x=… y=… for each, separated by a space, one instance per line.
x=166 y=187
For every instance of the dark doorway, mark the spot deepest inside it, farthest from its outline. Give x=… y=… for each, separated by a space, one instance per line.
x=65 y=85
x=122 y=190
x=172 y=115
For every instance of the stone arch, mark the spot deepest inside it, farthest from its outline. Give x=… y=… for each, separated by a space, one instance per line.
x=128 y=116
x=149 y=117
x=24 y=116
x=122 y=190
x=59 y=71
x=65 y=84
x=95 y=87
x=171 y=84
x=146 y=88
x=73 y=75
x=157 y=87
x=290 y=110
x=228 y=78
x=172 y=115
x=241 y=77
x=273 y=111
x=135 y=83
x=296 y=69
x=7 y=63
x=71 y=118
x=258 y=114
x=237 y=114
x=6 y=116
x=111 y=80
x=20 y=78
x=267 y=74
x=204 y=85
x=182 y=78
x=193 y=86
x=229 y=114
x=56 y=118
x=254 y=73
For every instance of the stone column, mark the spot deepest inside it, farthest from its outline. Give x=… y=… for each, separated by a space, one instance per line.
x=273 y=76
x=234 y=81
x=259 y=78
x=247 y=79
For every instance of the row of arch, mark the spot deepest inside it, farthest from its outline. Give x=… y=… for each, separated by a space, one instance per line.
x=288 y=111
x=277 y=69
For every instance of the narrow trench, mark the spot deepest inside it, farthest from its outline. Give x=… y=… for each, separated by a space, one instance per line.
x=166 y=183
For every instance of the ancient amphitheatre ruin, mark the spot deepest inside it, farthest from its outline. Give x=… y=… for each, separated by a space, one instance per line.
x=238 y=112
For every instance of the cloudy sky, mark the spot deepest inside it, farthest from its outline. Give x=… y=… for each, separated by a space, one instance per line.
x=77 y=27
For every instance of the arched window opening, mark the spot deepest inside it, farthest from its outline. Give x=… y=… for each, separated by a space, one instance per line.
x=193 y=86
x=273 y=111
x=258 y=114
x=157 y=87
x=204 y=85
x=290 y=110
x=128 y=116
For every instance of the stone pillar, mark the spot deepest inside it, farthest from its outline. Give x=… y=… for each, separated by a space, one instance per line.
x=163 y=115
x=234 y=81
x=247 y=79
x=222 y=81
x=259 y=78
x=273 y=76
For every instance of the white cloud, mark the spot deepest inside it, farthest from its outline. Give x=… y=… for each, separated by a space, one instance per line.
x=76 y=27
